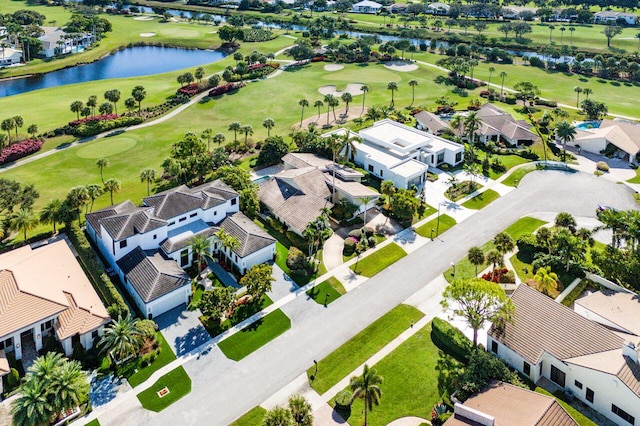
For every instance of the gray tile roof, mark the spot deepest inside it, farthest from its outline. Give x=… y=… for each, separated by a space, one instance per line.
x=151 y=274
x=171 y=245
x=94 y=218
x=251 y=237
x=496 y=121
x=125 y=225
x=432 y=122
x=541 y=324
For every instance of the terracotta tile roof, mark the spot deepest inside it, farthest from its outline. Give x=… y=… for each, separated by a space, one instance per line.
x=620 y=308
x=510 y=405
x=540 y=325
x=251 y=237
x=35 y=284
x=4 y=364
x=76 y=319
x=151 y=274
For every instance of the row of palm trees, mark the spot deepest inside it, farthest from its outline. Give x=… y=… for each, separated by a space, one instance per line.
x=112 y=97
x=13 y=124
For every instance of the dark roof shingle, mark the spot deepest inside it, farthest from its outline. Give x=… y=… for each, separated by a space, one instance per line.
x=251 y=237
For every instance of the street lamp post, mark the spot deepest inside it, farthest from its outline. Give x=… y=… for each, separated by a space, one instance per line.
x=438 y=220
x=453 y=265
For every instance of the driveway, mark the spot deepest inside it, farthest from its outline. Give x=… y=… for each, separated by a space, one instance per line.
x=182 y=329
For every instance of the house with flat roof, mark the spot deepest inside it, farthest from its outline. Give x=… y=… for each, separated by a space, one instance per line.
x=366 y=6
x=402 y=154
x=149 y=246
x=596 y=363
x=623 y=135
x=505 y=404
x=56 y=41
x=10 y=56
x=45 y=293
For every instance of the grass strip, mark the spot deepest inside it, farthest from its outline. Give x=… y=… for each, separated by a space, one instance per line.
x=252 y=417
x=379 y=260
x=446 y=222
x=327 y=291
x=577 y=415
x=481 y=200
x=178 y=383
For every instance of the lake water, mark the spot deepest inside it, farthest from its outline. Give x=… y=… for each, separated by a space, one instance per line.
x=131 y=62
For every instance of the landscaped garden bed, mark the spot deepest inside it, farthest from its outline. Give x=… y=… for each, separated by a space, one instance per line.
x=19 y=150
x=460 y=190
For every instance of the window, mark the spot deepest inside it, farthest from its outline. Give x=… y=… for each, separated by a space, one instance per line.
x=182 y=219
x=623 y=414
x=381 y=173
x=234 y=201
x=184 y=257
x=94 y=334
x=494 y=346
x=590 y=395
x=526 y=368
x=155 y=236
x=123 y=243
x=557 y=376
x=193 y=215
x=172 y=223
x=6 y=344
x=458 y=157
x=370 y=168
x=46 y=326
x=578 y=384
x=215 y=213
x=440 y=157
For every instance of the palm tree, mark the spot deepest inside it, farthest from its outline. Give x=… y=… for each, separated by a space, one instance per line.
x=364 y=89
x=45 y=367
x=51 y=213
x=227 y=241
x=300 y=410
x=365 y=201
x=71 y=386
x=578 y=90
x=102 y=163
x=94 y=191
x=32 y=407
x=587 y=92
x=32 y=130
x=247 y=130
x=504 y=243
x=346 y=98
x=471 y=124
x=318 y=104
x=571 y=30
x=495 y=258
x=23 y=220
x=269 y=123
x=491 y=71
x=122 y=338
x=77 y=106
x=112 y=185
x=207 y=134
x=219 y=138
x=303 y=103
x=413 y=84
x=502 y=75
x=7 y=125
x=551 y=28
x=565 y=132
x=148 y=175
x=201 y=247
x=328 y=99
x=139 y=93
x=367 y=388
x=547 y=281
x=393 y=86
x=235 y=128
x=92 y=102
x=476 y=257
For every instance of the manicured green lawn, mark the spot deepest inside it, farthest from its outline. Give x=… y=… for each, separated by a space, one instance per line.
x=93 y=422
x=577 y=415
x=327 y=291
x=165 y=357
x=177 y=381
x=428 y=211
x=481 y=200
x=255 y=336
x=509 y=161
x=335 y=366
x=410 y=386
x=379 y=260
x=446 y=222
x=252 y=417
x=240 y=314
x=516 y=176
x=635 y=179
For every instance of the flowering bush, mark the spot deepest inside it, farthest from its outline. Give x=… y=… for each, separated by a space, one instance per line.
x=194 y=88
x=94 y=119
x=19 y=150
x=225 y=88
x=495 y=275
x=94 y=128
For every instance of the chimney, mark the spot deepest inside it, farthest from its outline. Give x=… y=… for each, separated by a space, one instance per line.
x=630 y=350
x=474 y=415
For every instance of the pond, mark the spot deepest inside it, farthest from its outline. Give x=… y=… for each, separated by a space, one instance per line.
x=131 y=62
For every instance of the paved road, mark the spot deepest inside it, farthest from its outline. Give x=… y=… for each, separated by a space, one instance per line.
x=223 y=390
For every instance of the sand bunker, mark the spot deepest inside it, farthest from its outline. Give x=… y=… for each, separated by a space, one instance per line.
x=333 y=67
x=401 y=66
x=143 y=18
x=147 y=34
x=353 y=88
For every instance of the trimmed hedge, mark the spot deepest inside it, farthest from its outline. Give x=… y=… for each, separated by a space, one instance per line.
x=108 y=293
x=451 y=340
x=19 y=150
x=96 y=127
x=225 y=88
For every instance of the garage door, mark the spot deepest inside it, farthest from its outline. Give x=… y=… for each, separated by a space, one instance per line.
x=167 y=302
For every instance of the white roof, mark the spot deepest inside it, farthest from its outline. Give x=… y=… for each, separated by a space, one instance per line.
x=365 y=3
x=9 y=52
x=379 y=156
x=410 y=168
x=396 y=137
x=439 y=144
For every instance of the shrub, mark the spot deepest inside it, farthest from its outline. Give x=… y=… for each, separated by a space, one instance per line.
x=297 y=262
x=20 y=149
x=343 y=398
x=451 y=340
x=258 y=35
x=93 y=119
x=511 y=100
x=508 y=277
x=276 y=224
x=147 y=328
x=343 y=209
x=13 y=380
x=543 y=102
x=371 y=241
x=356 y=233
x=529 y=155
x=602 y=166
x=225 y=88
x=349 y=246
x=93 y=128
x=482 y=368
x=194 y=88
x=496 y=275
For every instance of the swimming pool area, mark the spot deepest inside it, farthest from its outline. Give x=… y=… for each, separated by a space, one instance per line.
x=261 y=179
x=586 y=125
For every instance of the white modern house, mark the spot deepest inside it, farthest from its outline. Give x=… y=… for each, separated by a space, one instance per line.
x=591 y=353
x=366 y=6
x=56 y=41
x=149 y=246
x=438 y=8
x=44 y=292
x=10 y=56
x=623 y=135
x=609 y=16
x=402 y=154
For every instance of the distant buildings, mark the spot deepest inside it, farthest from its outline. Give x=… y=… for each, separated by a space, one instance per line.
x=622 y=135
x=610 y=16
x=56 y=41
x=366 y=6
x=10 y=56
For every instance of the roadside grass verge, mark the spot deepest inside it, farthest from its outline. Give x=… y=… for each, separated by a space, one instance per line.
x=252 y=417
x=335 y=366
x=255 y=336
x=327 y=291
x=379 y=260
x=165 y=356
x=481 y=200
x=516 y=176
x=446 y=222
x=177 y=381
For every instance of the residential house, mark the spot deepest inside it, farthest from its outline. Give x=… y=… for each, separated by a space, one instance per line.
x=438 y=8
x=56 y=41
x=398 y=8
x=10 y=56
x=596 y=364
x=431 y=123
x=403 y=155
x=500 y=126
x=504 y=404
x=610 y=16
x=623 y=135
x=366 y=6
x=4 y=367
x=44 y=293
x=149 y=246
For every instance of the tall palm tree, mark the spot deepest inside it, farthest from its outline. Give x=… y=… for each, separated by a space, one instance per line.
x=121 y=338
x=587 y=92
x=23 y=220
x=502 y=75
x=491 y=71
x=219 y=138
x=495 y=258
x=328 y=99
x=148 y=175
x=207 y=134
x=235 y=128
x=364 y=89
x=476 y=257
x=367 y=388
x=472 y=124
x=269 y=123
x=504 y=243
x=52 y=213
x=303 y=103
x=413 y=84
x=337 y=144
x=346 y=98
x=139 y=93
x=95 y=191
x=227 y=241
x=247 y=129
x=547 y=281
x=102 y=164
x=112 y=185
x=318 y=104
x=365 y=201
x=393 y=86
x=578 y=90
x=565 y=132
x=201 y=247
x=32 y=407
